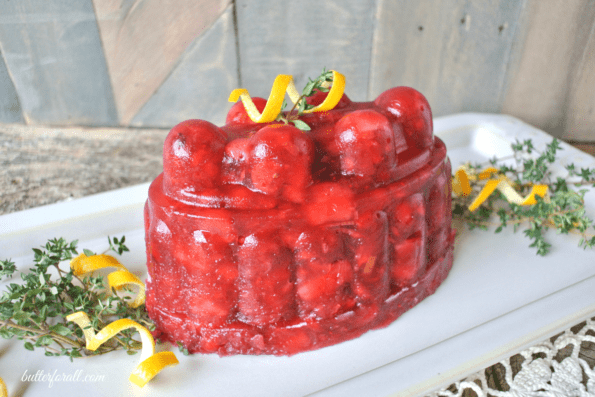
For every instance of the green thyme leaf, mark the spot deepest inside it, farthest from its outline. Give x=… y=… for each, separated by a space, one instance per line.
x=183 y=350
x=563 y=210
x=35 y=309
x=118 y=245
x=301 y=125
x=7 y=268
x=318 y=84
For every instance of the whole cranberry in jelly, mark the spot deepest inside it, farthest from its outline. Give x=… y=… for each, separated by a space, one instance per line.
x=192 y=156
x=236 y=161
x=366 y=145
x=238 y=115
x=411 y=109
x=281 y=161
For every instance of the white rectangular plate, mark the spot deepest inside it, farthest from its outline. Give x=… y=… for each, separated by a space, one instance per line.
x=498 y=298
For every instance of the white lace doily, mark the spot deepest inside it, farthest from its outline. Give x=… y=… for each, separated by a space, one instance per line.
x=542 y=372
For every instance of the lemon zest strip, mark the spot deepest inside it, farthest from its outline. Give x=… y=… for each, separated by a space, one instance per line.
x=147 y=369
x=461 y=186
x=284 y=83
x=3 y=390
x=460 y=183
x=274 y=103
x=84 y=264
x=514 y=197
x=485 y=174
x=487 y=190
x=334 y=96
x=151 y=364
x=120 y=278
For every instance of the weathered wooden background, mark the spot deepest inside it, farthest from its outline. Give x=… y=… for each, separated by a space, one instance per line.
x=153 y=63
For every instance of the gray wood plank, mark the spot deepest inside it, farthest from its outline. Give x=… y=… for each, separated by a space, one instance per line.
x=10 y=108
x=580 y=110
x=53 y=52
x=546 y=62
x=143 y=42
x=454 y=52
x=200 y=84
x=300 y=38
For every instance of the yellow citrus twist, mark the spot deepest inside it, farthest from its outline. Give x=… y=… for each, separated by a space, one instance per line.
x=151 y=363
x=462 y=187
x=284 y=83
x=3 y=390
x=84 y=264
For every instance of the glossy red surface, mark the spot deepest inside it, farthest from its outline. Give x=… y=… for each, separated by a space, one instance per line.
x=263 y=239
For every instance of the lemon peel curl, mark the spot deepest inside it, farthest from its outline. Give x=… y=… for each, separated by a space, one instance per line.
x=462 y=187
x=284 y=83
x=3 y=390
x=84 y=264
x=151 y=363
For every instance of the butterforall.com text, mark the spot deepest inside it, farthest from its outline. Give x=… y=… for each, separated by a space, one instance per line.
x=51 y=377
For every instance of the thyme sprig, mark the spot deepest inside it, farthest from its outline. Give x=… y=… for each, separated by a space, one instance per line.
x=321 y=83
x=34 y=311
x=563 y=209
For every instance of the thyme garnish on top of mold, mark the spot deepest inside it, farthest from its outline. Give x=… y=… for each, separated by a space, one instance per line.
x=321 y=83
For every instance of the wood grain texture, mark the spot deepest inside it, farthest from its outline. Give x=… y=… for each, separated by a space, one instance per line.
x=143 y=40
x=10 y=108
x=454 y=52
x=53 y=52
x=551 y=44
x=300 y=38
x=199 y=85
x=43 y=165
x=580 y=111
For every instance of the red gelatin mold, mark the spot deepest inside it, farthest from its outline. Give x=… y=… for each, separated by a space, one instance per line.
x=263 y=239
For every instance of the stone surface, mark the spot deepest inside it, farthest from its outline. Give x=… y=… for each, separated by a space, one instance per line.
x=45 y=165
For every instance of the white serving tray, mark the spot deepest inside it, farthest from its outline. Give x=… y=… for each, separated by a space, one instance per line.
x=499 y=298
